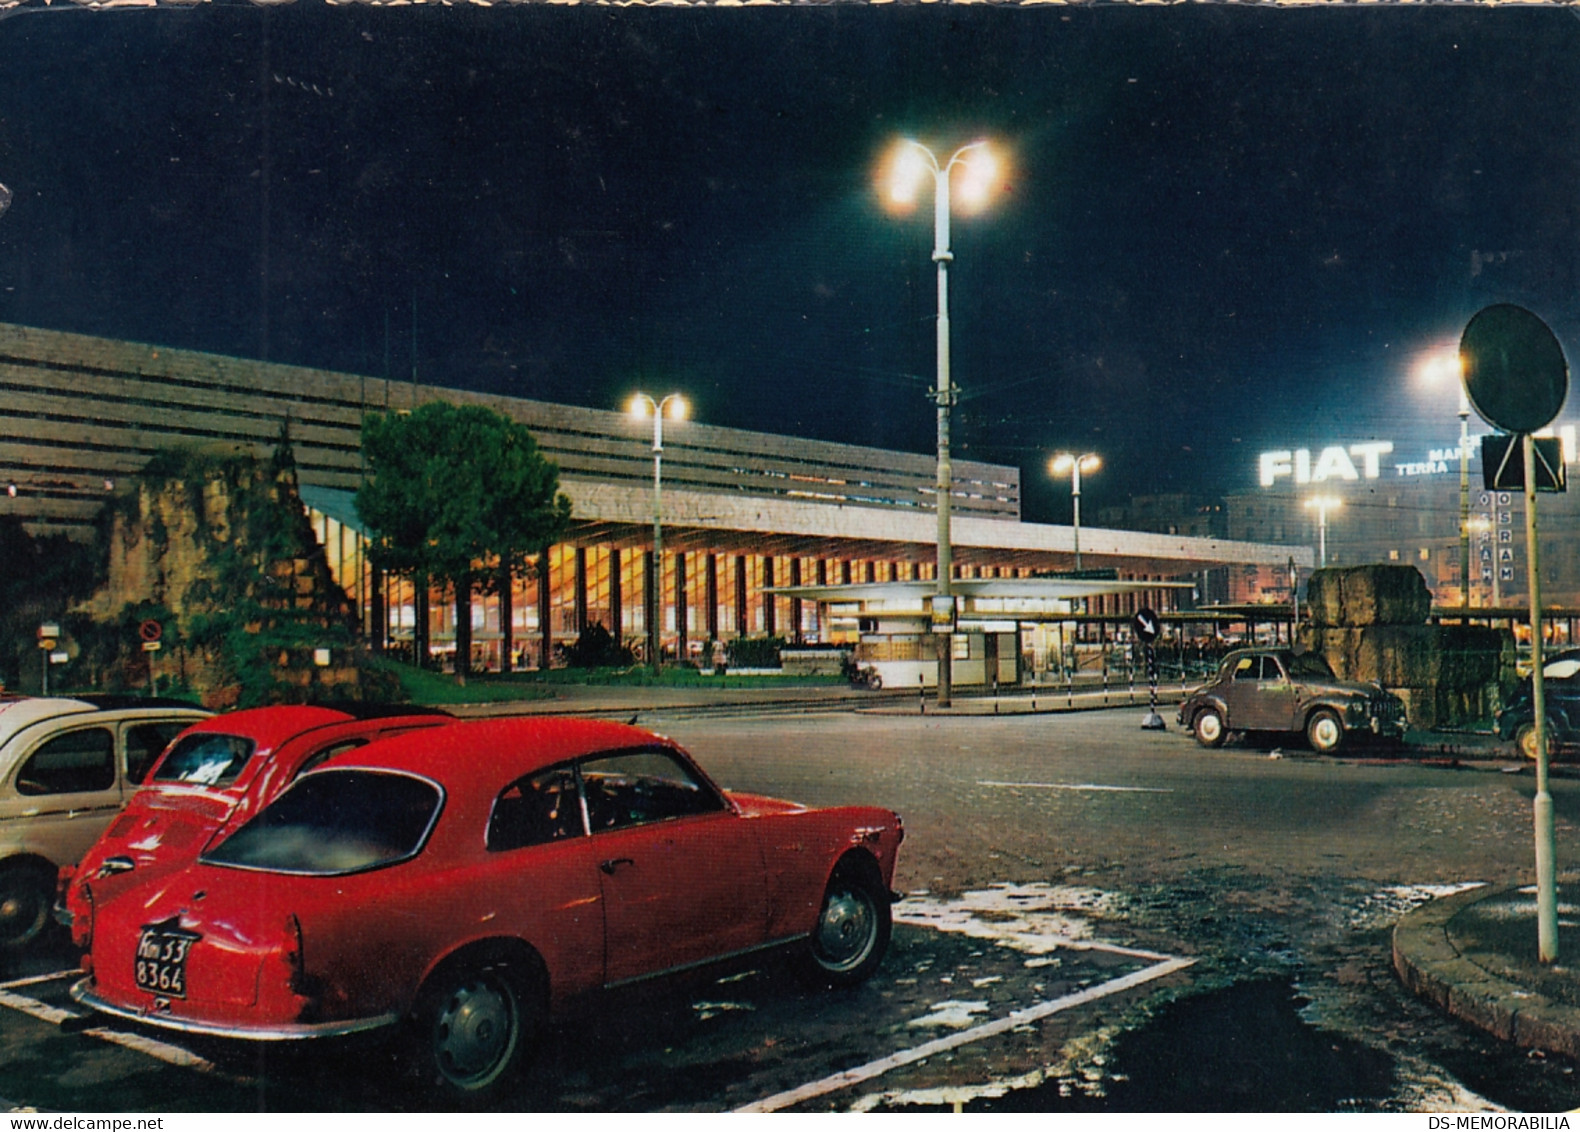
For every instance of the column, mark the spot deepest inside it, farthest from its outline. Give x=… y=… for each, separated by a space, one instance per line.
x=616 y=612
x=681 y=642
x=545 y=619
x=712 y=598
x=770 y=618
x=796 y=636
x=741 y=619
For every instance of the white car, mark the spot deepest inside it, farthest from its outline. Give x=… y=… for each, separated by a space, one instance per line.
x=67 y=766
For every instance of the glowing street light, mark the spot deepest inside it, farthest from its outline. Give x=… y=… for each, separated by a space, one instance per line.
x=1323 y=504
x=909 y=164
x=1068 y=462
x=642 y=406
x=1435 y=369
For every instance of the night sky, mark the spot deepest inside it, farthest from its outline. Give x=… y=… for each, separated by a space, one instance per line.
x=1226 y=229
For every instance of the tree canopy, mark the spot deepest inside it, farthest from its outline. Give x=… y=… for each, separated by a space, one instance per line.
x=453 y=490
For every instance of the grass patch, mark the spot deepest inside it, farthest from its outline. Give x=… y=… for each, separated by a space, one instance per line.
x=435 y=688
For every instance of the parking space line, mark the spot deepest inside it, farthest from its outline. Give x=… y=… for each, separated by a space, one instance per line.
x=930 y=1049
x=34 y=980
x=33 y=1008
x=57 y=1016
x=1077 y=786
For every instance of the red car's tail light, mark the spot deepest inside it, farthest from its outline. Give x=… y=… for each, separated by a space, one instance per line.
x=295 y=955
x=82 y=926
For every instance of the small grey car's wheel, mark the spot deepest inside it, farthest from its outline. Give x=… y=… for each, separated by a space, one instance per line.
x=25 y=896
x=1525 y=740
x=1208 y=728
x=474 y=1029
x=853 y=927
x=1325 y=731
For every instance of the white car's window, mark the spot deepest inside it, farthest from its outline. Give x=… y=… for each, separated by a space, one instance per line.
x=335 y=821
x=78 y=762
x=205 y=760
x=145 y=742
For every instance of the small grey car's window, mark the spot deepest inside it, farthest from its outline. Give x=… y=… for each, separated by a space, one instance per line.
x=335 y=821
x=145 y=742
x=78 y=762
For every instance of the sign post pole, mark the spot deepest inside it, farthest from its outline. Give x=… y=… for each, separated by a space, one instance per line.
x=1517 y=378
x=1542 y=807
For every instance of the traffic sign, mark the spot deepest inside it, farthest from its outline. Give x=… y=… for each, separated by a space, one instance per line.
x=1516 y=376
x=150 y=630
x=1145 y=625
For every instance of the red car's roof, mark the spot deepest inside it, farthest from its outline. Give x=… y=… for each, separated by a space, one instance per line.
x=486 y=752
x=270 y=726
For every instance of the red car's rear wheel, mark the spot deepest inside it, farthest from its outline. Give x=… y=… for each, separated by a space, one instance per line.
x=476 y=1026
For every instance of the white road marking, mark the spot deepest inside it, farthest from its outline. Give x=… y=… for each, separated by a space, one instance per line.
x=1077 y=786
x=56 y=1016
x=33 y=980
x=941 y=1045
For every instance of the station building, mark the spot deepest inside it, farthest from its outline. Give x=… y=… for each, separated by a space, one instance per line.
x=759 y=531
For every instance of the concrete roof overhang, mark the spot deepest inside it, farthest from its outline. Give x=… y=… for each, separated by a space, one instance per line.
x=622 y=515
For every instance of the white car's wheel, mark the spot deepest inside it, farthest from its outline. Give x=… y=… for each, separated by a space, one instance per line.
x=1325 y=731
x=1208 y=728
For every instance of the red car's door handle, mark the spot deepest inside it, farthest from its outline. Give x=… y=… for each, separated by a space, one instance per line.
x=614 y=863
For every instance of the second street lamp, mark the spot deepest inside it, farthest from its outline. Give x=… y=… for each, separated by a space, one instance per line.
x=674 y=406
x=1075 y=465
x=1323 y=504
x=911 y=163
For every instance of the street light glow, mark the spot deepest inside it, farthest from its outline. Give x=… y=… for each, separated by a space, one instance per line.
x=979 y=176
x=1063 y=462
x=975 y=169
x=909 y=165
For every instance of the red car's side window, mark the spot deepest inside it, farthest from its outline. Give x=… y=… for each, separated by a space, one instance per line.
x=537 y=809
x=637 y=787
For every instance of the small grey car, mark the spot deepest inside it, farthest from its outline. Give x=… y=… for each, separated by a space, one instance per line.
x=67 y=766
x=1280 y=690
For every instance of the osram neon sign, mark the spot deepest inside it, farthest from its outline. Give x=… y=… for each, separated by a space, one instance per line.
x=1335 y=463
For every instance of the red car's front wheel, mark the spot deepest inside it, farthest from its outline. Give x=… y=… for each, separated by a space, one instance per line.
x=853 y=926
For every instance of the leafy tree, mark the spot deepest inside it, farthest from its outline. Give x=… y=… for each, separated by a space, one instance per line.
x=458 y=495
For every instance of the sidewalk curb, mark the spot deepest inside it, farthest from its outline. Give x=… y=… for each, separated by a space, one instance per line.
x=1429 y=964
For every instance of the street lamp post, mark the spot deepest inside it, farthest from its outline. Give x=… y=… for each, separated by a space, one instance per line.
x=1434 y=369
x=912 y=162
x=1075 y=465
x=642 y=406
x=1323 y=504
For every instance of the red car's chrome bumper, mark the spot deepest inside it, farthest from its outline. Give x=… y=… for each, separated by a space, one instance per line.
x=282 y=1032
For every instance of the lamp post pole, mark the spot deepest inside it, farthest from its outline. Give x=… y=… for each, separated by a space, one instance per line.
x=1322 y=503
x=1464 y=498
x=944 y=397
x=1075 y=465
x=641 y=405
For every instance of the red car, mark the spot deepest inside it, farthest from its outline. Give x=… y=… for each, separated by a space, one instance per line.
x=218 y=774
x=470 y=879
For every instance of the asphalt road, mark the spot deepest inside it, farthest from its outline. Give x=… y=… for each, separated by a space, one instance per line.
x=1097 y=917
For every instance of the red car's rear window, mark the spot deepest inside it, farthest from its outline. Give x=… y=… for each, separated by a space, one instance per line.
x=205 y=759
x=335 y=821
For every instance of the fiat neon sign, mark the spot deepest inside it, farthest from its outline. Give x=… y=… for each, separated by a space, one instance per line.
x=1365 y=461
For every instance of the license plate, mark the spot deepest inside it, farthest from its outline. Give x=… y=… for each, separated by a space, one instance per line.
x=162 y=960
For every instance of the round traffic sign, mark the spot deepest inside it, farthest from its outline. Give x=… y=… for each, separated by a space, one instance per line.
x=150 y=630
x=1516 y=377
x=1145 y=625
